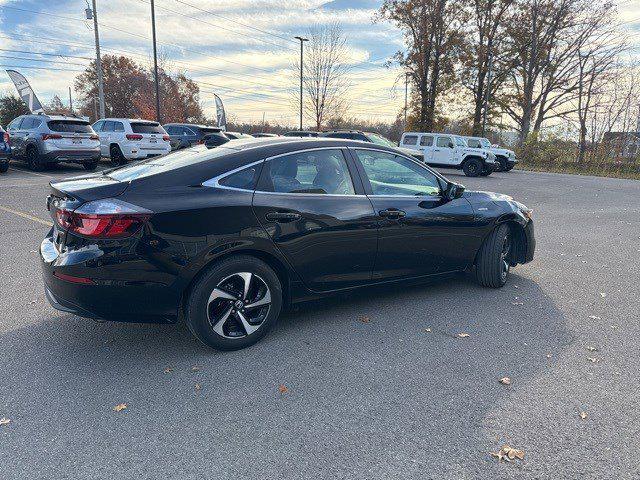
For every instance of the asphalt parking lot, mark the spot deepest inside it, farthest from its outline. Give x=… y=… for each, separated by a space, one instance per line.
x=328 y=395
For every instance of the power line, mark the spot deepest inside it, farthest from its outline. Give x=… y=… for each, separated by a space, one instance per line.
x=41 y=68
x=41 y=60
x=43 y=53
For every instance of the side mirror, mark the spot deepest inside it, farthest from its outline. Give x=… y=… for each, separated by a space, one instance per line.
x=454 y=190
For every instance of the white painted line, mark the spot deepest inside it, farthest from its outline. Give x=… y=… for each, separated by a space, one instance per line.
x=26 y=215
x=27 y=171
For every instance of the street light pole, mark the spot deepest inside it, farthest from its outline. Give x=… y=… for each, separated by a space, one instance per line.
x=155 y=61
x=486 y=94
x=406 y=97
x=302 y=40
x=94 y=13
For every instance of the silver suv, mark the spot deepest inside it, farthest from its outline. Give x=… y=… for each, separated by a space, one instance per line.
x=43 y=140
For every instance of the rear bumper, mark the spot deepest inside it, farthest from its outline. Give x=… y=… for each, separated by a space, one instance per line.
x=112 y=296
x=132 y=152
x=77 y=156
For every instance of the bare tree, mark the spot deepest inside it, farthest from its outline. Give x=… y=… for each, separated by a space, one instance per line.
x=325 y=78
x=485 y=62
x=432 y=35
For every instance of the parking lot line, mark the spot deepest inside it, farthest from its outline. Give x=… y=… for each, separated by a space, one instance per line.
x=27 y=171
x=26 y=215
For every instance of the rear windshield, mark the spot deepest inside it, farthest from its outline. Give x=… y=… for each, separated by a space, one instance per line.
x=172 y=161
x=70 y=126
x=146 y=127
x=207 y=130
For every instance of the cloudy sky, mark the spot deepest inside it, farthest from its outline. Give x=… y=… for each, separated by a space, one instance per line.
x=240 y=49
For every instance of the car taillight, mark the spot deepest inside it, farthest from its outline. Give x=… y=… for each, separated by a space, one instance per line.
x=133 y=136
x=94 y=137
x=108 y=218
x=51 y=136
x=166 y=138
x=200 y=142
x=6 y=137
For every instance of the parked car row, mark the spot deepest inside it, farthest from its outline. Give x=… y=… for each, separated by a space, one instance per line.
x=5 y=150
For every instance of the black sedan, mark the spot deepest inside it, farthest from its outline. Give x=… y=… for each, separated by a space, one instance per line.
x=229 y=236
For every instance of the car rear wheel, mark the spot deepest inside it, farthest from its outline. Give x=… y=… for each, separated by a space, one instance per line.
x=494 y=258
x=33 y=159
x=116 y=156
x=503 y=164
x=472 y=167
x=90 y=166
x=234 y=304
x=4 y=167
x=509 y=168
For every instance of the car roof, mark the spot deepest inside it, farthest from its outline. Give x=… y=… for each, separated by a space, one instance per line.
x=137 y=120
x=181 y=124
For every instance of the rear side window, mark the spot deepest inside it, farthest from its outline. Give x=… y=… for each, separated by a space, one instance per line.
x=426 y=141
x=15 y=124
x=70 y=126
x=410 y=140
x=98 y=126
x=30 y=123
x=108 y=126
x=146 y=127
x=473 y=143
x=118 y=127
x=207 y=131
x=315 y=171
x=244 y=179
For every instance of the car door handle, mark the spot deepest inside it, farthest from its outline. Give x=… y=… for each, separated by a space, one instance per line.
x=283 y=216
x=437 y=150
x=392 y=213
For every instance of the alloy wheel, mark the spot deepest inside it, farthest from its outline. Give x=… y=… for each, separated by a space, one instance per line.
x=239 y=305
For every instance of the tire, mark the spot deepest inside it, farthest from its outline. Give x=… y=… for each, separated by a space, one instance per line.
x=90 y=166
x=485 y=173
x=472 y=167
x=493 y=259
x=33 y=159
x=116 y=156
x=4 y=167
x=509 y=168
x=503 y=164
x=219 y=323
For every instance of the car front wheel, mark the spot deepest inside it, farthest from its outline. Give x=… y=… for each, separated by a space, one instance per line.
x=33 y=159
x=472 y=167
x=234 y=304
x=494 y=258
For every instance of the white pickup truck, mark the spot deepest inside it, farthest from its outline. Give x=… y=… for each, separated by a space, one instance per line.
x=451 y=151
x=506 y=157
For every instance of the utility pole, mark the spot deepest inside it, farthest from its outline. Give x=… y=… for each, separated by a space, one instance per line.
x=486 y=93
x=155 y=61
x=89 y=14
x=302 y=40
x=406 y=97
x=70 y=101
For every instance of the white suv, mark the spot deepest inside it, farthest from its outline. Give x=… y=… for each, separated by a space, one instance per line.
x=451 y=151
x=124 y=139
x=506 y=157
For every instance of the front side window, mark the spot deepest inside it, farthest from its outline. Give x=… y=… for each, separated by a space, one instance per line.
x=426 y=141
x=444 y=142
x=108 y=126
x=394 y=175
x=410 y=140
x=98 y=126
x=15 y=124
x=460 y=142
x=380 y=140
x=316 y=171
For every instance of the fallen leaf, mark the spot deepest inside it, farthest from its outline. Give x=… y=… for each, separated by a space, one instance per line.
x=283 y=389
x=583 y=415
x=592 y=349
x=4 y=421
x=507 y=453
x=195 y=368
x=428 y=330
x=120 y=407
x=364 y=319
x=593 y=317
x=593 y=359
x=603 y=295
x=462 y=335
x=168 y=370
x=198 y=387
x=517 y=303
x=505 y=381
x=549 y=355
